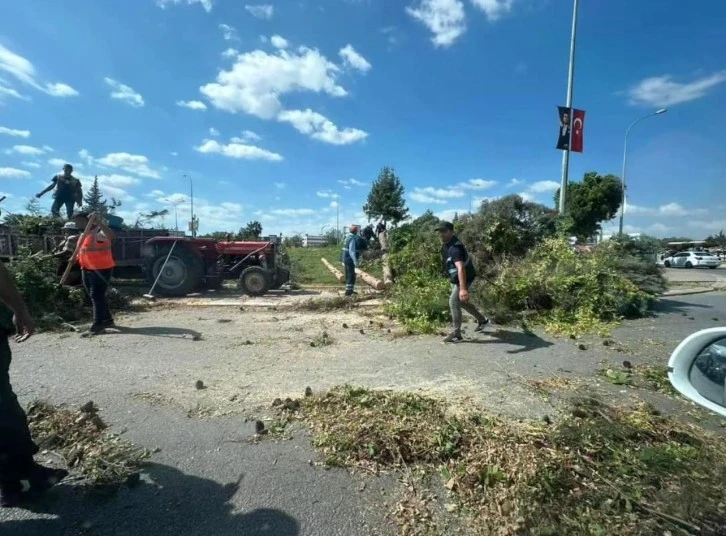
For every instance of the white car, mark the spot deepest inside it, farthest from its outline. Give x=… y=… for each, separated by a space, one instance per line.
x=692 y=259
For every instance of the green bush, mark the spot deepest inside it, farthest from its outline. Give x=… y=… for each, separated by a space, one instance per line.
x=571 y=291
x=49 y=302
x=420 y=301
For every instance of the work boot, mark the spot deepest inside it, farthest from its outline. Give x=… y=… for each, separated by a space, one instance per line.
x=351 y=293
x=481 y=325
x=454 y=336
x=42 y=478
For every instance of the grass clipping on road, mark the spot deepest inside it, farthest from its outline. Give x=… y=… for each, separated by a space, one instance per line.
x=80 y=438
x=597 y=471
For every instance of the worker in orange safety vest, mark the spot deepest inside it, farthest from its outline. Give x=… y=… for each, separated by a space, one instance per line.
x=95 y=257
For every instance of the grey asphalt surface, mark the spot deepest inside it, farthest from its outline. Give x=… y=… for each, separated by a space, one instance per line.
x=191 y=486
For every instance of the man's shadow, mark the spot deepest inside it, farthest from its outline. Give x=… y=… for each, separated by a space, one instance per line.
x=167 y=503
x=525 y=340
x=155 y=331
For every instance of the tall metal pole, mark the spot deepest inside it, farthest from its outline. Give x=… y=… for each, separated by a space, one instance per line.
x=191 y=195
x=570 y=84
x=625 y=160
x=337 y=219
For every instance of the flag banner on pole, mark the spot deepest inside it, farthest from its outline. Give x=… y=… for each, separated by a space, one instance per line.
x=563 y=137
x=578 y=129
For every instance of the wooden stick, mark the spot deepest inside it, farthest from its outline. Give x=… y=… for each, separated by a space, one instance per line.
x=333 y=270
x=72 y=260
x=370 y=280
x=387 y=274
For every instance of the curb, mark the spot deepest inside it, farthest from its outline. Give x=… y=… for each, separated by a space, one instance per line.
x=690 y=291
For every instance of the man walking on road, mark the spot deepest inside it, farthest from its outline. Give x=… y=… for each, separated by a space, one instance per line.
x=460 y=271
x=68 y=191
x=20 y=476
x=350 y=259
x=95 y=257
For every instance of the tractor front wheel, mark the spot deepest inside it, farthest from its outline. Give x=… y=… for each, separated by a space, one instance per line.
x=255 y=281
x=180 y=276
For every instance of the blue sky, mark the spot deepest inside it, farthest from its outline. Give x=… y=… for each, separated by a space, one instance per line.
x=278 y=110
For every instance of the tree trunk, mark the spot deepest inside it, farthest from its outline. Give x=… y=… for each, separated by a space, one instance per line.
x=387 y=274
x=370 y=280
x=333 y=270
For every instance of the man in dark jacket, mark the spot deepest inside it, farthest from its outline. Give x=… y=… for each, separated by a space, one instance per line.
x=350 y=258
x=20 y=476
x=460 y=270
x=68 y=191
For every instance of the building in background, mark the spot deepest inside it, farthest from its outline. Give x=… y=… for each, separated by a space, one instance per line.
x=309 y=241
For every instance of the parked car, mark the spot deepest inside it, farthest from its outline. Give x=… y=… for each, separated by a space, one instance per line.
x=692 y=259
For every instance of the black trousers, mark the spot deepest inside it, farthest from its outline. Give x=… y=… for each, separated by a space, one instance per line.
x=96 y=284
x=349 y=275
x=58 y=202
x=16 y=446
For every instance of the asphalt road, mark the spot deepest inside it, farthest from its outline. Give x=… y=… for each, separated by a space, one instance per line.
x=696 y=275
x=208 y=480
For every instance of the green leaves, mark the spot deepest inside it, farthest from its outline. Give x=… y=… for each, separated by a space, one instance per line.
x=385 y=199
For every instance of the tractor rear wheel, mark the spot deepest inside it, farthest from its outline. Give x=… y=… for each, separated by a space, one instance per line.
x=255 y=281
x=181 y=275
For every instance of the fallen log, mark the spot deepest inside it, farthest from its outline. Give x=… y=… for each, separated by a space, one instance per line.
x=387 y=274
x=333 y=270
x=370 y=280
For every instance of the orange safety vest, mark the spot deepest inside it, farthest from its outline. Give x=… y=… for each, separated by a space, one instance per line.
x=95 y=255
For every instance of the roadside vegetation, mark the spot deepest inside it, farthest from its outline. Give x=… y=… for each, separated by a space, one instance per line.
x=596 y=470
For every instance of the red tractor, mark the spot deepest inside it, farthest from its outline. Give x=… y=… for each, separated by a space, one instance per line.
x=198 y=263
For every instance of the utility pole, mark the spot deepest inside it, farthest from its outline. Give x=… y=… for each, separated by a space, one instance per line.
x=337 y=219
x=191 y=195
x=568 y=104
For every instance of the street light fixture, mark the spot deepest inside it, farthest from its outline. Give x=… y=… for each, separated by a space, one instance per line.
x=625 y=159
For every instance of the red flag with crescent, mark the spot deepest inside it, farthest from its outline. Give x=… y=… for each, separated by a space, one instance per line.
x=578 y=128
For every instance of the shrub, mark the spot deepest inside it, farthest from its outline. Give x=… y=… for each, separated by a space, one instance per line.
x=420 y=301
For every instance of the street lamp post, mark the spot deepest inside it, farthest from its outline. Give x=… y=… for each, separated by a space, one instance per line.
x=191 y=209
x=625 y=160
x=570 y=84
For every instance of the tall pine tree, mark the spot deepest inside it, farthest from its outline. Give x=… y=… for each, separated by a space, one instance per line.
x=385 y=199
x=94 y=200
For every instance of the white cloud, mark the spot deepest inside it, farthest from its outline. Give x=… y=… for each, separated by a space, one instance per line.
x=257 y=80
x=527 y=196
x=494 y=9
x=192 y=104
x=349 y=183
x=261 y=11
x=230 y=53
x=444 y=18
x=278 y=41
x=327 y=194
x=213 y=132
x=30 y=164
x=514 y=182
x=352 y=58
x=280 y=185
x=421 y=197
x=248 y=135
x=124 y=93
x=9 y=92
x=238 y=150
x=225 y=216
x=662 y=91
x=451 y=213
x=229 y=32
x=13 y=173
x=59 y=89
x=206 y=4
x=59 y=163
x=669 y=209
x=540 y=187
x=15 y=132
x=23 y=71
x=116 y=186
x=28 y=150
x=476 y=184
x=321 y=128
x=672 y=209
x=131 y=163
x=293 y=212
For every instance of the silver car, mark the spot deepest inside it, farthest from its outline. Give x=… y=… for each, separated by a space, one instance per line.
x=692 y=259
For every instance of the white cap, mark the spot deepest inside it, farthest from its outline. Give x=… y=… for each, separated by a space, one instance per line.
x=71 y=225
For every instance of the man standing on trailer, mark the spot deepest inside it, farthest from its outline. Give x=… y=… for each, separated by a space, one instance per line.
x=350 y=259
x=68 y=191
x=95 y=257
